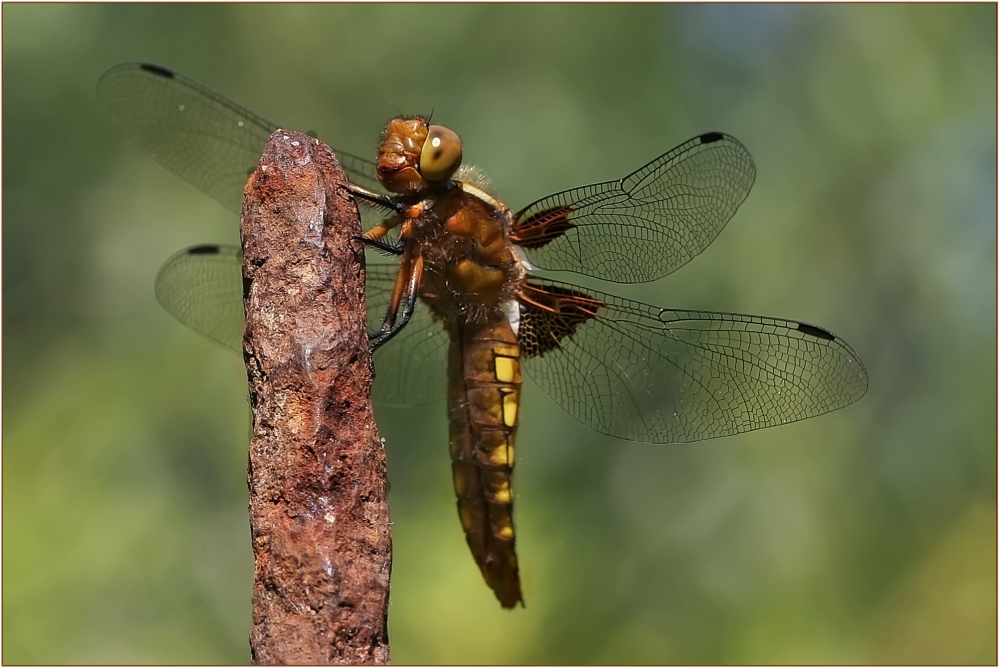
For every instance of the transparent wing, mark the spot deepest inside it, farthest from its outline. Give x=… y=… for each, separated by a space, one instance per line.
x=201 y=136
x=669 y=376
x=647 y=224
x=202 y=287
x=411 y=369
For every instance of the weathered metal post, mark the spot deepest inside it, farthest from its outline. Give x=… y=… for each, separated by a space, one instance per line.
x=317 y=472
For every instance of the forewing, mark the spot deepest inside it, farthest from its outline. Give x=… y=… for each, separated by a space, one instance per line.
x=201 y=136
x=670 y=376
x=649 y=223
x=202 y=286
x=410 y=369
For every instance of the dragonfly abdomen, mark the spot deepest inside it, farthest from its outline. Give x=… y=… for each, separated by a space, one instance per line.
x=484 y=390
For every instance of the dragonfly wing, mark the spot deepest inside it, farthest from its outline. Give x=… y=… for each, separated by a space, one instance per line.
x=202 y=286
x=647 y=224
x=410 y=370
x=658 y=375
x=360 y=171
x=198 y=134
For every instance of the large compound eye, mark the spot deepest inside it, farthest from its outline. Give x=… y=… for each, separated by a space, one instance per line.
x=441 y=154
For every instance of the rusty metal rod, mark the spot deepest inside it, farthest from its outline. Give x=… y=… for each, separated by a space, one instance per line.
x=317 y=472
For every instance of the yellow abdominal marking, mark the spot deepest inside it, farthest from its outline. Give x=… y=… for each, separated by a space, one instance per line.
x=505 y=532
x=503 y=455
x=504 y=350
x=503 y=494
x=510 y=409
x=458 y=478
x=467 y=520
x=504 y=369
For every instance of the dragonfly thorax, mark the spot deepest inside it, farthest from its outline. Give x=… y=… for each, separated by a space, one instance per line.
x=469 y=267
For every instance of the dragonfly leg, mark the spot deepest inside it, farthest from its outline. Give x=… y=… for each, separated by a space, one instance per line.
x=382 y=336
x=391 y=249
x=378 y=199
x=390 y=327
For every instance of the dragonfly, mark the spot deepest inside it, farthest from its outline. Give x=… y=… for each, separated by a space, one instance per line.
x=469 y=305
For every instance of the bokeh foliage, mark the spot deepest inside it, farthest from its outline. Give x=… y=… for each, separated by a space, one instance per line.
x=867 y=535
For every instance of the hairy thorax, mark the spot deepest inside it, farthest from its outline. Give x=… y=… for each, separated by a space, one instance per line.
x=470 y=271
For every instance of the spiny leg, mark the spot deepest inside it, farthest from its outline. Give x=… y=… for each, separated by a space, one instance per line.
x=390 y=327
x=390 y=249
x=377 y=199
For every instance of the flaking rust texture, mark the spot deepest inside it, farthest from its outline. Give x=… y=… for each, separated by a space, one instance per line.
x=317 y=471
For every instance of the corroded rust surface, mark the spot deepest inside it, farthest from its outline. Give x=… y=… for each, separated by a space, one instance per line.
x=318 y=511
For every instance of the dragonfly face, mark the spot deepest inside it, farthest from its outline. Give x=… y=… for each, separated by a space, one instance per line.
x=467 y=313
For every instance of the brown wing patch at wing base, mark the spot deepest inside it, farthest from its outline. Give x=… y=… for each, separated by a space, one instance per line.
x=551 y=313
x=540 y=228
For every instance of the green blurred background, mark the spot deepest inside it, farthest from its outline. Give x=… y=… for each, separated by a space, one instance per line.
x=867 y=535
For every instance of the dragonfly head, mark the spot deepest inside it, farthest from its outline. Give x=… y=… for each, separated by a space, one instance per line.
x=414 y=155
